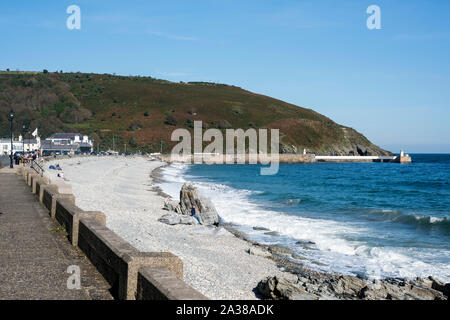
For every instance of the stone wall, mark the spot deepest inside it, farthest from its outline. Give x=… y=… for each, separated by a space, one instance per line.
x=132 y=274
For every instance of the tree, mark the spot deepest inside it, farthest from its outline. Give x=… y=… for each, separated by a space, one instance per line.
x=45 y=71
x=96 y=138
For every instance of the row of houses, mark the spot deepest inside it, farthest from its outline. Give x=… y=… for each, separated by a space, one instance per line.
x=56 y=143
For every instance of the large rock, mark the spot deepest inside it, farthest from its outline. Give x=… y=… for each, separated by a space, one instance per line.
x=280 y=250
x=258 y=252
x=440 y=286
x=400 y=289
x=312 y=284
x=347 y=286
x=175 y=218
x=283 y=289
x=190 y=196
x=171 y=205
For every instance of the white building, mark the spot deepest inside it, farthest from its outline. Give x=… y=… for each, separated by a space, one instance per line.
x=68 y=142
x=5 y=146
x=30 y=144
x=19 y=145
x=69 y=138
x=58 y=142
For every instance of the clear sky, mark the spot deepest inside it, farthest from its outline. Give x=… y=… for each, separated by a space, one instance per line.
x=393 y=84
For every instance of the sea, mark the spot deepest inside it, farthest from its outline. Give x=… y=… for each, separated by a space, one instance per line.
x=373 y=220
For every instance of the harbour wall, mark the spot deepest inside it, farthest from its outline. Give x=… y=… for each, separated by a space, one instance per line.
x=282 y=158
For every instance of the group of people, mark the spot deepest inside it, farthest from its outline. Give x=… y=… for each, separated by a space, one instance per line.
x=26 y=157
x=57 y=168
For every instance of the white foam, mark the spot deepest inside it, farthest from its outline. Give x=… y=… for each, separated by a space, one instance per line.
x=334 y=254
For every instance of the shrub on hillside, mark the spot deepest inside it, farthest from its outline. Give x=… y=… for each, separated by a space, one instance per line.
x=171 y=121
x=190 y=123
x=135 y=125
x=224 y=124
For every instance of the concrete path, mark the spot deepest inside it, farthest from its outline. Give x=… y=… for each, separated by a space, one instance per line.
x=35 y=253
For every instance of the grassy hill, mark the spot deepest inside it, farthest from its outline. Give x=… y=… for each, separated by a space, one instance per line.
x=141 y=112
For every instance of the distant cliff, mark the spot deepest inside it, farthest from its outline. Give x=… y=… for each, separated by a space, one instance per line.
x=140 y=112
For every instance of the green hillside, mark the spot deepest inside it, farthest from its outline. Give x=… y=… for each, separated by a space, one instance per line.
x=142 y=111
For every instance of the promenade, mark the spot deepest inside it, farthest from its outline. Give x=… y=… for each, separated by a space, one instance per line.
x=35 y=252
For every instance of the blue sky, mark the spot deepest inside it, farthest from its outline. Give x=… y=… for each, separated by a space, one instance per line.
x=393 y=84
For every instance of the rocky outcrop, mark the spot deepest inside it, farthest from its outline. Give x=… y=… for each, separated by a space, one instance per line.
x=309 y=284
x=280 y=250
x=171 y=205
x=257 y=251
x=353 y=149
x=440 y=286
x=316 y=285
x=352 y=143
x=190 y=196
x=283 y=289
x=284 y=148
x=175 y=218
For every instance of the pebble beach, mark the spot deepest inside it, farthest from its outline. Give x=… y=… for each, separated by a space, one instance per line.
x=216 y=263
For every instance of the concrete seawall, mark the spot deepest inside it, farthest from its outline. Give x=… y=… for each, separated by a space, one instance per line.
x=231 y=159
x=132 y=274
x=253 y=158
x=282 y=158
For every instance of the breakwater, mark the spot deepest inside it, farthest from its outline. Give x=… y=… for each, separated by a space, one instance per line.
x=282 y=158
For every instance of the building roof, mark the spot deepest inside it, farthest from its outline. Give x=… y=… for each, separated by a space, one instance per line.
x=65 y=135
x=30 y=141
x=48 y=145
x=8 y=140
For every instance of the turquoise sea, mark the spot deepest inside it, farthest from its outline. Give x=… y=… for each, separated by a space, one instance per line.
x=368 y=219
